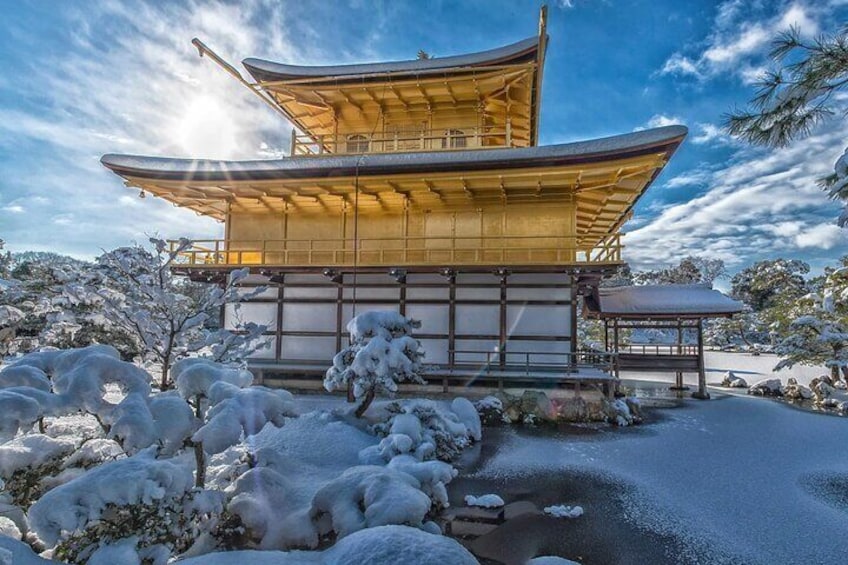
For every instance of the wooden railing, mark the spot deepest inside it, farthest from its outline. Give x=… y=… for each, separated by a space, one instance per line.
x=529 y=362
x=659 y=349
x=396 y=252
x=303 y=145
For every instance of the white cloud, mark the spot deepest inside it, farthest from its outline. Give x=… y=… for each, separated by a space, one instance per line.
x=761 y=203
x=14 y=209
x=822 y=236
x=710 y=134
x=740 y=35
x=129 y=81
x=660 y=120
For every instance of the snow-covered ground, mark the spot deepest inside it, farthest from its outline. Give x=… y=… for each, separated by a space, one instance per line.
x=752 y=368
x=739 y=479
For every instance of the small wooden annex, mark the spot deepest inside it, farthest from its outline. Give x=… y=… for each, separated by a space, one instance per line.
x=417 y=186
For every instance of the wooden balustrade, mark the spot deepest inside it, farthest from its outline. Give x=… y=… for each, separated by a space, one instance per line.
x=491 y=250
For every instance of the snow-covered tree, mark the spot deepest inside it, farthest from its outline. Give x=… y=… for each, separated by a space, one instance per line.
x=690 y=270
x=381 y=354
x=746 y=328
x=820 y=336
x=800 y=92
x=772 y=289
x=140 y=295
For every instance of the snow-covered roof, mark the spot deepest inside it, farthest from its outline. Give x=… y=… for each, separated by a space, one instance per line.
x=662 y=301
x=663 y=139
x=521 y=51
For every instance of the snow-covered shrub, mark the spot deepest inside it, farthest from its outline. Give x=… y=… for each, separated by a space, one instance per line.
x=381 y=354
x=26 y=461
x=235 y=411
x=24 y=375
x=154 y=530
x=438 y=433
x=195 y=375
x=564 y=511
x=17 y=411
x=366 y=497
x=490 y=409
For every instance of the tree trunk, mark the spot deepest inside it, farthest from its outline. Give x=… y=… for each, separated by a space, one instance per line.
x=834 y=374
x=164 y=383
x=350 y=397
x=200 y=462
x=366 y=402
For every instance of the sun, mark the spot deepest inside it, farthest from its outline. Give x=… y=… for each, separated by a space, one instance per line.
x=206 y=130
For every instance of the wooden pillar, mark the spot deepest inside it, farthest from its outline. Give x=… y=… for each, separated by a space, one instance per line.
x=278 y=345
x=503 y=334
x=678 y=377
x=339 y=314
x=573 y=330
x=701 y=393
x=451 y=317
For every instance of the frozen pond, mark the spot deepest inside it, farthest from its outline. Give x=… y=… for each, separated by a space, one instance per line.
x=732 y=480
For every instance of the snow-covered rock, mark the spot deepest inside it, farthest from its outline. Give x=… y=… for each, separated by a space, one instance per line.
x=15 y=552
x=564 y=511
x=484 y=501
x=766 y=387
x=8 y=528
x=468 y=416
x=732 y=380
x=795 y=391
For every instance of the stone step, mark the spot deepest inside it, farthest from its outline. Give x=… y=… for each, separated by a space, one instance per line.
x=476 y=514
x=519 y=508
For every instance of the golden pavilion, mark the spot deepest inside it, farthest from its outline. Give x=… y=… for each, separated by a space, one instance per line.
x=417 y=186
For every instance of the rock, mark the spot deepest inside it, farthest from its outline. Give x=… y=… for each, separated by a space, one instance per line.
x=537 y=404
x=731 y=380
x=491 y=410
x=519 y=508
x=572 y=410
x=795 y=391
x=766 y=387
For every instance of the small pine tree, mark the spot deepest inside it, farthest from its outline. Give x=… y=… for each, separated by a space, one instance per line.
x=381 y=354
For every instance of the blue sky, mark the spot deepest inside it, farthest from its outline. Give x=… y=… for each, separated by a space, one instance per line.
x=85 y=78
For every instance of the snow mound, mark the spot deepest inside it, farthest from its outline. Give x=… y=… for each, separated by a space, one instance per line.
x=17 y=411
x=138 y=479
x=174 y=420
x=484 y=501
x=24 y=375
x=15 y=552
x=122 y=552
x=375 y=546
x=57 y=361
x=132 y=424
x=31 y=451
x=563 y=511
x=94 y=452
x=551 y=560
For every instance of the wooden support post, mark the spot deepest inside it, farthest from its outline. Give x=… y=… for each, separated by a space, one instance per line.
x=278 y=345
x=502 y=336
x=339 y=314
x=451 y=318
x=701 y=393
x=678 y=377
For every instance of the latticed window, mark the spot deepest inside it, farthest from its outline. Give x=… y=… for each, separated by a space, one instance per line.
x=405 y=136
x=454 y=139
x=357 y=143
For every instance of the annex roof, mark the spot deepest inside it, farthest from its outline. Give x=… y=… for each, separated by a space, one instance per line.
x=662 y=301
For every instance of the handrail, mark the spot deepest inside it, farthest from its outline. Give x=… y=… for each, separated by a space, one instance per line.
x=602 y=360
x=440 y=139
x=659 y=349
x=400 y=251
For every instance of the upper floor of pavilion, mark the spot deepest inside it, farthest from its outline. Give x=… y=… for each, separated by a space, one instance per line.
x=480 y=100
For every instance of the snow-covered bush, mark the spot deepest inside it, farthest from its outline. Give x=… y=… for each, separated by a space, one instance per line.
x=26 y=461
x=369 y=496
x=427 y=430
x=491 y=410
x=382 y=353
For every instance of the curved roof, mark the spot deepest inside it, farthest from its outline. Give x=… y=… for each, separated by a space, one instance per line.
x=519 y=52
x=662 y=301
x=663 y=139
